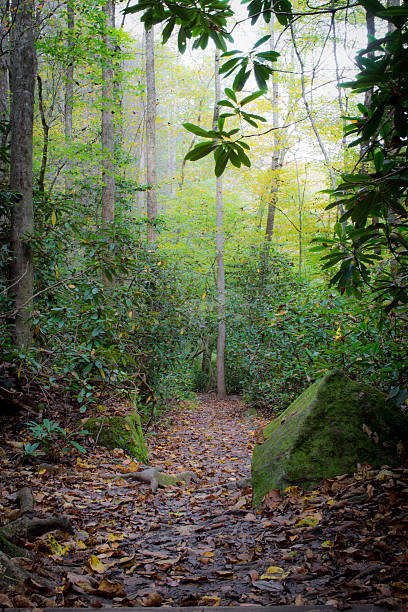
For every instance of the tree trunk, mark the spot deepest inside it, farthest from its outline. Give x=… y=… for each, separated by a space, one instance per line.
x=69 y=88
x=108 y=125
x=309 y=112
x=46 y=139
x=221 y=388
x=270 y=220
x=22 y=83
x=151 y=136
x=4 y=84
x=365 y=145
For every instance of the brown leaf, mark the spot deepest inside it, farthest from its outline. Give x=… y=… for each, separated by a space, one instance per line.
x=210 y=600
x=152 y=600
x=5 y=602
x=259 y=436
x=225 y=574
x=95 y=565
x=79 y=582
x=272 y=500
x=110 y=588
x=21 y=602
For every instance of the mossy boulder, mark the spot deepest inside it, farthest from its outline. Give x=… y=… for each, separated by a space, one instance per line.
x=119 y=432
x=334 y=425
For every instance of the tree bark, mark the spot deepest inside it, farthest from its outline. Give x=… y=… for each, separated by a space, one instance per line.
x=221 y=387
x=108 y=125
x=270 y=220
x=69 y=88
x=309 y=112
x=4 y=83
x=46 y=132
x=365 y=145
x=22 y=83
x=151 y=136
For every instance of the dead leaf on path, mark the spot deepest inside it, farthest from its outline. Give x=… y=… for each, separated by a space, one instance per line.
x=110 y=588
x=242 y=501
x=310 y=520
x=115 y=537
x=259 y=436
x=264 y=585
x=5 y=602
x=191 y=578
x=96 y=565
x=272 y=500
x=226 y=574
x=79 y=582
x=274 y=573
x=210 y=600
x=151 y=600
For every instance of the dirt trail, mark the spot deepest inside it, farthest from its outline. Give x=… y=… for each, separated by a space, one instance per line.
x=207 y=546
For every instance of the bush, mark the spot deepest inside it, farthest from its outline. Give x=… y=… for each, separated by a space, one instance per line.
x=283 y=335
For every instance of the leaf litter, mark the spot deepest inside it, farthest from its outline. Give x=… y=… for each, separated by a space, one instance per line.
x=204 y=544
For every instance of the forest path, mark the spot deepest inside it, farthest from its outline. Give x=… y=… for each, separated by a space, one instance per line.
x=211 y=437
x=193 y=537
x=206 y=546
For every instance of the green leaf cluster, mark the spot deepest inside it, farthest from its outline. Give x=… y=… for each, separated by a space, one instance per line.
x=370 y=248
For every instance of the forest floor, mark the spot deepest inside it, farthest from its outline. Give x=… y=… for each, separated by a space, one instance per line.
x=202 y=545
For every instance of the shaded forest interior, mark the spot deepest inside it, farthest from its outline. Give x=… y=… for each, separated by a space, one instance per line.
x=197 y=198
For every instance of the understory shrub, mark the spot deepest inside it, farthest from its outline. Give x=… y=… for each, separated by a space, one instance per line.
x=283 y=335
x=110 y=312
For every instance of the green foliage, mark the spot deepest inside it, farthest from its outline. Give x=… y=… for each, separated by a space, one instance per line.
x=283 y=335
x=371 y=248
x=242 y=64
x=223 y=146
x=51 y=439
x=202 y=21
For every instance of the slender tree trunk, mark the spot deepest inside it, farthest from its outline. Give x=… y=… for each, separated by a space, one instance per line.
x=365 y=145
x=221 y=388
x=4 y=82
x=108 y=124
x=69 y=87
x=151 y=136
x=46 y=139
x=310 y=113
x=22 y=84
x=270 y=220
x=301 y=199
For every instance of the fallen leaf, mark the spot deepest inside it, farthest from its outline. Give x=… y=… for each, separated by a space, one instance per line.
x=274 y=573
x=110 y=588
x=152 y=600
x=210 y=600
x=272 y=500
x=96 y=565
x=225 y=574
x=311 y=520
x=5 y=602
x=259 y=436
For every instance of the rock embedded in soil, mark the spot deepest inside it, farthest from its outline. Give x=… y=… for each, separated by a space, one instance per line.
x=119 y=432
x=331 y=427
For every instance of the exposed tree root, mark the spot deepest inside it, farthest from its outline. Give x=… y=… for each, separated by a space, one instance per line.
x=156 y=478
x=10 y=571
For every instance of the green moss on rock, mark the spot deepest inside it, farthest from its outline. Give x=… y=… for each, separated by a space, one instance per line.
x=334 y=425
x=120 y=432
